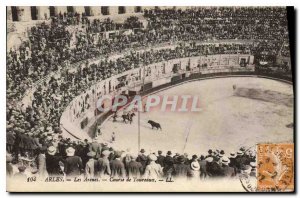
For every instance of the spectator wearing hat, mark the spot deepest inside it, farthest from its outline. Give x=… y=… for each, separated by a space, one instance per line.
x=90 y=165
x=160 y=159
x=213 y=168
x=168 y=166
x=232 y=163
x=209 y=153
x=73 y=164
x=182 y=170
x=241 y=161
x=142 y=158
x=203 y=167
x=195 y=166
x=117 y=167
x=21 y=176
x=175 y=157
x=83 y=155
x=112 y=154
x=135 y=168
x=41 y=163
x=153 y=170
x=246 y=170
x=105 y=146
x=227 y=171
x=62 y=146
x=126 y=160
x=18 y=144
x=221 y=154
x=253 y=169
x=103 y=165
x=9 y=167
x=10 y=140
x=186 y=159
x=95 y=146
x=53 y=162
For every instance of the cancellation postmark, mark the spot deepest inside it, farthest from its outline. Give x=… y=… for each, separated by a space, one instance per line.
x=275 y=167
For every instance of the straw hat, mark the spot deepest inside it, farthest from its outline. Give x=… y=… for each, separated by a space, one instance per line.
x=225 y=160
x=152 y=157
x=232 y=155
x=70 y=151
x=252 y=164
x=133 y=157
x=51 y=150
x=91 y=154
x=195 y=165
x=106 y=153
x=118 y=154
x=209 y=159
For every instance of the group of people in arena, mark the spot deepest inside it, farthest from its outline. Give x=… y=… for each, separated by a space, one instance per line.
x=34 y=131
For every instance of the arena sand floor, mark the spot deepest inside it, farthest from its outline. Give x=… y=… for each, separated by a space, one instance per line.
x=227 y=120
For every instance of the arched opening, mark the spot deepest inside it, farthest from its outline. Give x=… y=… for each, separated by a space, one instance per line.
x=87 y=10
x=138 y=9
x=52 y=11
x=104 y=10
x=70 y=9
x=14 y=12
x=122 y=10
x=34 y=12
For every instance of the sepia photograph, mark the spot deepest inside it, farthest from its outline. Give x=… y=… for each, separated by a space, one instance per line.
x=150 y=98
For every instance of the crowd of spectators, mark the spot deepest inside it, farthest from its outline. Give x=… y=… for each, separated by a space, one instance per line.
x=52 y=47
x=94 y=160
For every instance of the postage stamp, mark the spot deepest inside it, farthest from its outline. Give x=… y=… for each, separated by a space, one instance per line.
x=275 y=167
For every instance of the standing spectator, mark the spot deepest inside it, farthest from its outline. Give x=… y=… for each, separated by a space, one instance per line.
x=142 y=158
x=232 y=163
x=134 y=168
x=227 y=171
x=127 y=160
x=41 y=163
x=195 y=166
x=117 y=167
x=90 y=165
x=95 y=147
x=209 y=153
x=10 y=139
x=203 y=167
x=53 y=162
x=73 y=164
x=213 y=168
x=9 y=167
x=153 y=170
x=241 y=161
x=253 y=169
x=103 y=165
x=21 y=176
x=169 y=166
x=160 y=159
x=84 y=152
x=182 y=170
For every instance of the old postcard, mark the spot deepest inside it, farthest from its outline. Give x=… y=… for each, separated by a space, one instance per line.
x=150 y=99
